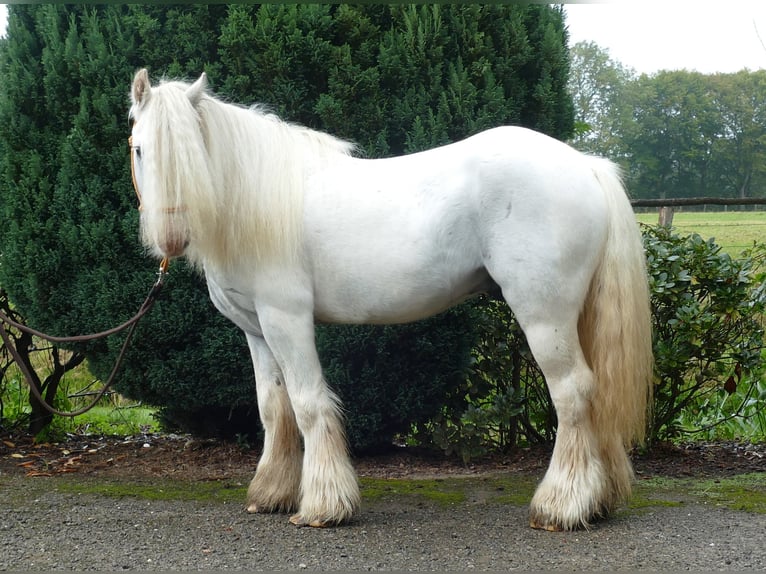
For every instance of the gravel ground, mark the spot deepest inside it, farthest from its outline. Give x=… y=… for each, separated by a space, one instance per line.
x=43 y=528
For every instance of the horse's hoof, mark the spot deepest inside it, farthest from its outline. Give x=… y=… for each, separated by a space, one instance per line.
x=262 y=507
x=298 y=520
x=548 y=527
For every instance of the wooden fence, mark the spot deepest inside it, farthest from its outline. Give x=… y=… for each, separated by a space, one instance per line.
x=667 y=206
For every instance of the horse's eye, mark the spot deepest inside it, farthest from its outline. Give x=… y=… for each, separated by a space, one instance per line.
x=137 y=150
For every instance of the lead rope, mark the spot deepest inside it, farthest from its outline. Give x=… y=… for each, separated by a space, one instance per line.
x=130 y=324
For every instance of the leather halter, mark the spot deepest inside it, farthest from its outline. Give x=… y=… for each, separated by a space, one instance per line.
x=135 y=183
x=165 y=261
x=133 y=172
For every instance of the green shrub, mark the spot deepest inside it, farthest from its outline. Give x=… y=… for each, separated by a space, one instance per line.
x=707 y=312
x=392 y=78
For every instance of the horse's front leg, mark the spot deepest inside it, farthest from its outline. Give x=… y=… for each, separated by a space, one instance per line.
x=276 y=484
x=329 y=491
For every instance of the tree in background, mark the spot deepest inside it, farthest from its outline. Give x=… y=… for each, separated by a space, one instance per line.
x=676 y=133
x=597 y=84
x=671 y=136
x=393 y=78
x=740 y=102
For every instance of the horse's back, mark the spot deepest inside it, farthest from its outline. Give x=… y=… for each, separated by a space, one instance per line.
x=492 y=169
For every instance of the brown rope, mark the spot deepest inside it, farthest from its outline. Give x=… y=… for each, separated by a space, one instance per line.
x=129 y=324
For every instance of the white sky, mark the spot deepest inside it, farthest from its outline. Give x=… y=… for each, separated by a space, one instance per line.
x=652 y=35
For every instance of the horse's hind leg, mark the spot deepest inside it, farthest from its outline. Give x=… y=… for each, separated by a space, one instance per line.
x=575 y=488
x=276 y=484
x=546 y=301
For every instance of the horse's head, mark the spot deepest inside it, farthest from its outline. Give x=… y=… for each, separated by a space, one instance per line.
x=167 y=160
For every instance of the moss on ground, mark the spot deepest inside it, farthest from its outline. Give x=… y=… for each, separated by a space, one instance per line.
x=745 y=492
x=446 y=491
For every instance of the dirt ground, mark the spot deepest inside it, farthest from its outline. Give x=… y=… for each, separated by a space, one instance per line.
x=193 y=459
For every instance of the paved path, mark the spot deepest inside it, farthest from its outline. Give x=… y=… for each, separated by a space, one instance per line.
x=42 y=528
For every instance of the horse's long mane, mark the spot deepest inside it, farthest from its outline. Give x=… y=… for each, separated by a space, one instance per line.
x=238 y=174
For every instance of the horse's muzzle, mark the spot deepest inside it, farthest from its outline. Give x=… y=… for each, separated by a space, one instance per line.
x=173 y=248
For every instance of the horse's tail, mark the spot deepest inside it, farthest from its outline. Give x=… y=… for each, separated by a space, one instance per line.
x=615 y=326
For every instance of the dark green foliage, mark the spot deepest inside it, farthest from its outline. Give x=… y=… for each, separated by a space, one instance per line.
x=503 y=402
x=66 y=213
x=392 y=78
x=391 y=377
x=71 y=259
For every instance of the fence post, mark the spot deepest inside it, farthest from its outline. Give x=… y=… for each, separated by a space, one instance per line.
x=666 y=216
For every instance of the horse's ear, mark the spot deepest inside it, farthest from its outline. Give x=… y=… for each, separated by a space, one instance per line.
x=141 y=87
x=197 y=89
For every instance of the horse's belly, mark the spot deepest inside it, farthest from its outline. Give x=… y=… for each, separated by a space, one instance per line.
x=378 y=298
x=393 y=252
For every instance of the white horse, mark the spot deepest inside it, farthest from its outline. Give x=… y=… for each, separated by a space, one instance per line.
x=290 y=228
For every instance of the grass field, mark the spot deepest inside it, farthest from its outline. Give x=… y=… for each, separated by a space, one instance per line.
x=114 y=415
x=734 y=231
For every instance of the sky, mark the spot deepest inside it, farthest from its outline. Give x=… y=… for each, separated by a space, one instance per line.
x=652 y=35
